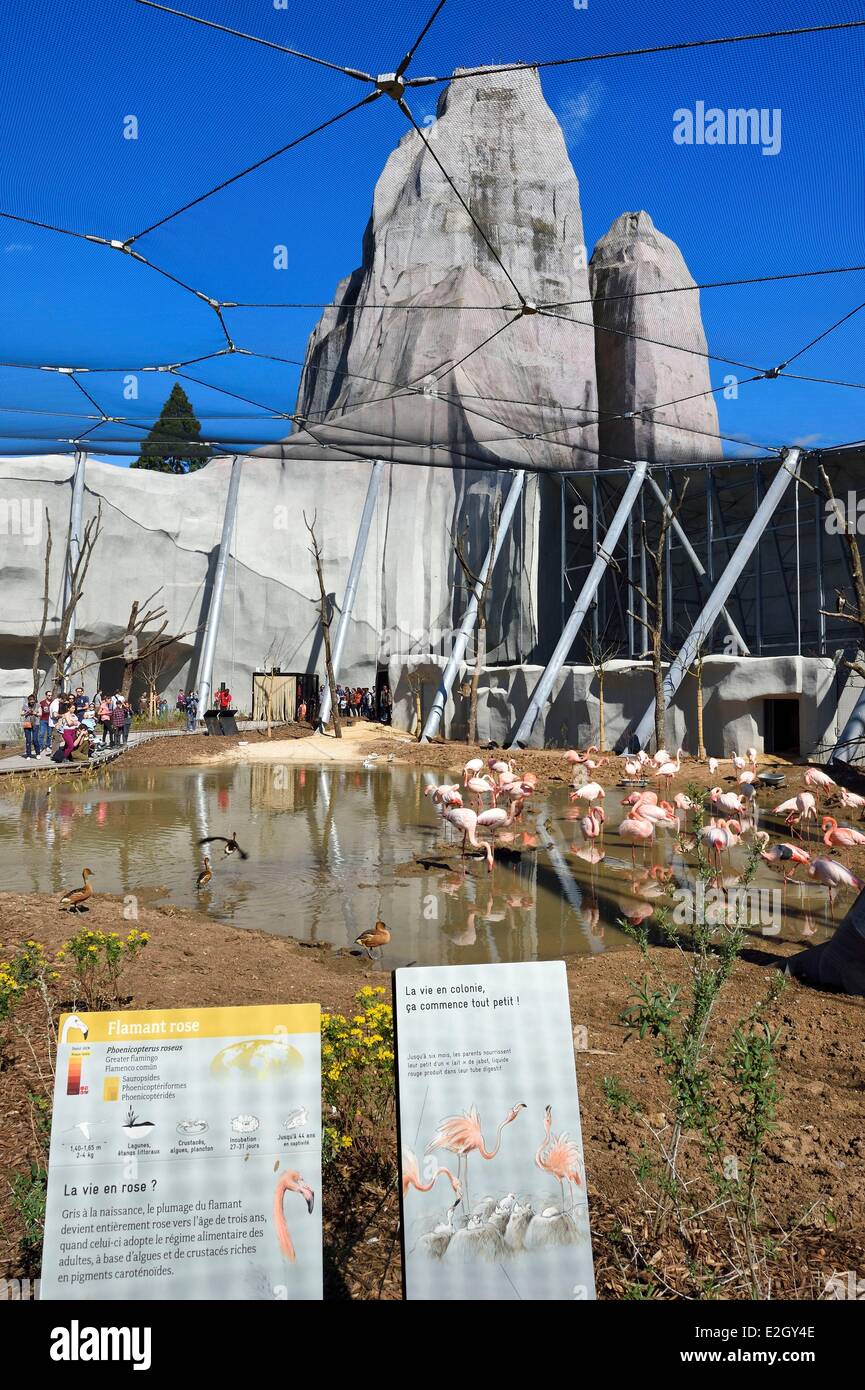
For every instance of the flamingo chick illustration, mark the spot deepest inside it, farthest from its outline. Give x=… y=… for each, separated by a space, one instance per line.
x=462 y=1135
x=289 y=1181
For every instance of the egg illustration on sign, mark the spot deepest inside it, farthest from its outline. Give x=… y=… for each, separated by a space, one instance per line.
x=260 y=1059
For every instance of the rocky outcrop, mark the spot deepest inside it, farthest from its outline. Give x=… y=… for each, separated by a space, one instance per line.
x=430 y=290
x=631 y=267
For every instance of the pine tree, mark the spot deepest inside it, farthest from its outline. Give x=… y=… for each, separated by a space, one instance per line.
x=172 y=445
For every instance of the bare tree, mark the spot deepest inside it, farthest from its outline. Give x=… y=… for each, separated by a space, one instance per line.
x=654 y=601
x=138 y=648
x=40 y=640
x=61 y=652
x=152 y=667
x=600 y=656
x=326 y=613
x=482 y=588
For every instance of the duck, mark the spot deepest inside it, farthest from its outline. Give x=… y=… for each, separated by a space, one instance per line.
x=231 y=845
x=205 y=876
x=377 y=936
x=74 y=901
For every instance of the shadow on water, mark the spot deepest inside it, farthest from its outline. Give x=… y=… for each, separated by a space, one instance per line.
x=333 y=849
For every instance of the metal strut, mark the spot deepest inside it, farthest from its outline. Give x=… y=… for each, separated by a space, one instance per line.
x=351 y=587
x=458 y=651
x=581 y=607
x=73 y=550
x=214 y=612
x=738 y=560
x=741 y=645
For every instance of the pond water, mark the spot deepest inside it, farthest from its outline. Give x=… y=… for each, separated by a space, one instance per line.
x=331 y=850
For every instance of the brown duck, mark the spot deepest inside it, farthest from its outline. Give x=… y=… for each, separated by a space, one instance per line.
x=205 y=876
x=377 y=936
x=74 y=901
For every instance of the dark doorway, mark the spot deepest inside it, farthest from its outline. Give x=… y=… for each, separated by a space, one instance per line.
x=781 y=726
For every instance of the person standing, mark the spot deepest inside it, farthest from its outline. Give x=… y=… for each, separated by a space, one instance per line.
x=44 y=726
x=118 y=718
x=30 y=725
x=191 y=711
x=104 y=716
x=127 y=721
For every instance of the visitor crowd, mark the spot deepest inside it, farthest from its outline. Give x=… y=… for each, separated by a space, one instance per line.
x=360 y=703
x=65 y=727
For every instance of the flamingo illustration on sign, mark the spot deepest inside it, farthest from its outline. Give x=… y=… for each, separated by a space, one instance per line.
x=461 y=1135
x=74 y=1022
x=289 y=1181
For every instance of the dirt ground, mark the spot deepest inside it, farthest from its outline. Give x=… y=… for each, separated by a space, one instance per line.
x=183 y=749
x=815 y=1194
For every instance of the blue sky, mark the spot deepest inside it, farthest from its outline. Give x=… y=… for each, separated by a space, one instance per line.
x=207 y=104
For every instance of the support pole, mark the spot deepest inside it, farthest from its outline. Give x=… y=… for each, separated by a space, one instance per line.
x=214 y=612
x=584 y=601
x=351 y=587
x=741 y=555
x=434 y=718
x=73 y=550
x=741 y=644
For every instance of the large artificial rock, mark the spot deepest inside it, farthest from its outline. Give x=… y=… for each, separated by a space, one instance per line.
x=399 y=370
x=429 y=290
x=630 y=264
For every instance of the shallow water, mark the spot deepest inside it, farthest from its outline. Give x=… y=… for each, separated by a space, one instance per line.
x=330 y=850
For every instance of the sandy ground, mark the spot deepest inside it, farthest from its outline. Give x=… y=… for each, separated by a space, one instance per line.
x=815 y=1198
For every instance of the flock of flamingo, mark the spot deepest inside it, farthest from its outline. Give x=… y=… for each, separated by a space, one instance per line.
x=496 y=1227
x=491 y=799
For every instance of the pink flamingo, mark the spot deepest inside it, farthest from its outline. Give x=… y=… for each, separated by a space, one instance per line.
x=670 y=769
x=788 y=856
x=497 y=817
x=833 y=875
x=472 y=766
x=751 y=754
x=559 y=1156
x=411 y=1175
x=592 y=827
x=636 y=798
x=728 y=801
x=713 y=766
x=840 y=836
x=289 y=1181
x=853 y=801
x=716 y=839
x=821 y=781
x=461 y=1135
x=661 y=812
x=636 y=830
x=590 y=792
x=480 y=786
x=466 y=821
x=798 y=808
x=632 y=769
x=444 y=795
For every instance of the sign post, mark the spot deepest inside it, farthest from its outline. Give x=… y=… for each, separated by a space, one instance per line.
x=185 y=1156
x=493 y=1181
